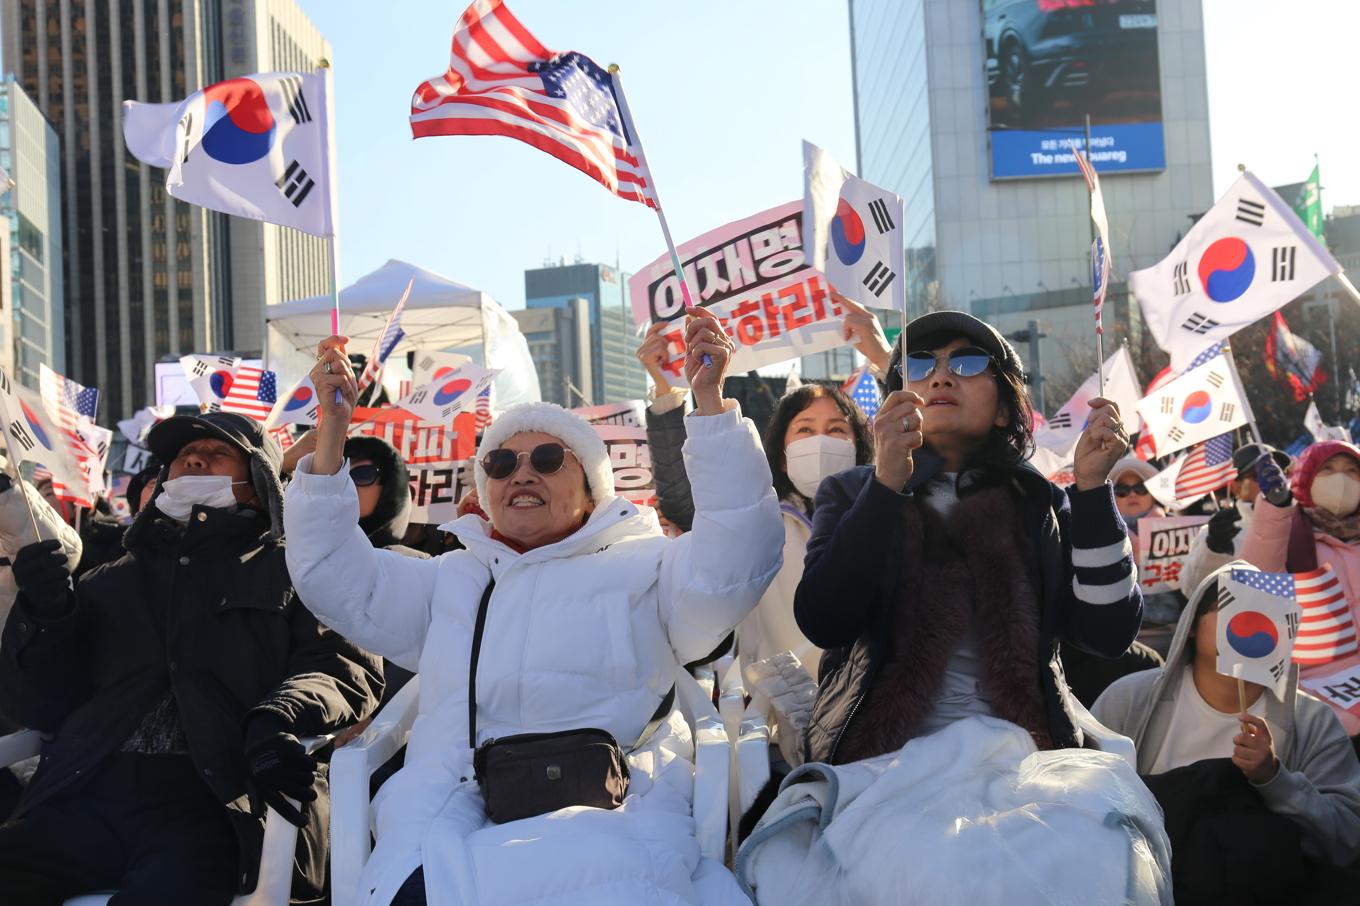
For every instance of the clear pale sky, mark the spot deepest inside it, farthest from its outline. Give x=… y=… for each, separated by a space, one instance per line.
x=723 y=91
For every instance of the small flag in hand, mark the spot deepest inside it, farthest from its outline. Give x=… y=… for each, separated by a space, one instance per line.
x=1327 y=626
x=253 y=393
x=863 y=389
x=1258 y=620
x=386 y=342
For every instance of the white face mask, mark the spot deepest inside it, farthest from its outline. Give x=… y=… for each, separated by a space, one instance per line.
x=179 y=496
x=810 y=459
x=1337 y=493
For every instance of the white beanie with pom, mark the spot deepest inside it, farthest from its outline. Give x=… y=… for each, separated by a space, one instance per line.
x=575 y=433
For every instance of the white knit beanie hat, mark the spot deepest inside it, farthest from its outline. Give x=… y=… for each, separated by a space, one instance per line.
x=575 y=433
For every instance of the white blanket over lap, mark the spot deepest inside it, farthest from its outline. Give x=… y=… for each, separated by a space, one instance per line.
x=970 y=814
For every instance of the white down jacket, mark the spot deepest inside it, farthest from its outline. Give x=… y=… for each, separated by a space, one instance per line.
x=587 y=632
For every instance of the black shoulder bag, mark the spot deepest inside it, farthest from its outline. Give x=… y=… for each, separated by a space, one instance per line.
x=535 y=773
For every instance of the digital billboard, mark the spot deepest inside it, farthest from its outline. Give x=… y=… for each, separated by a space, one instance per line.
x=1050 y=63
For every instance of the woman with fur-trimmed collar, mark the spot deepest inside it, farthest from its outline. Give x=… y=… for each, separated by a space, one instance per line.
x=943 y=579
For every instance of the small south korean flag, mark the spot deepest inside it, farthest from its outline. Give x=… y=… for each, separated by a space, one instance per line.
x=1198 y=405
x=1258 y=620
x=852 y=232
x=448 y=394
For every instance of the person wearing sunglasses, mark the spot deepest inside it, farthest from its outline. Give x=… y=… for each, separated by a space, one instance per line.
x=590 y=616
x=971 y=567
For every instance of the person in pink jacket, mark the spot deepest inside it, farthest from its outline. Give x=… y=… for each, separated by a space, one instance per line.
x=1313 y=521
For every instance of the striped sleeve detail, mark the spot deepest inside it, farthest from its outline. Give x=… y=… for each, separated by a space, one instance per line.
x=1102 y=561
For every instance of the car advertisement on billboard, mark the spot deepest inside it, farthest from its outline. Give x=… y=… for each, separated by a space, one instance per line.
x=1050 y=63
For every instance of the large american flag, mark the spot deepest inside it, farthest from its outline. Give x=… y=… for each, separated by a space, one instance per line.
x=253 y=393
x=386 y=342
x=502 y=81
x=73 y=406
x=1207 y=468
x=1327 y=627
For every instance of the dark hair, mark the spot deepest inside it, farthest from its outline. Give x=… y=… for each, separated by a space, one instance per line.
x=794 y=402
x=1006 y=446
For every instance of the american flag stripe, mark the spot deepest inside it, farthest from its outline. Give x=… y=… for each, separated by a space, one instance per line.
x=1207 y=468
x=500 y=80
x=1327 y=626
x=387 y=340
x=245 y=396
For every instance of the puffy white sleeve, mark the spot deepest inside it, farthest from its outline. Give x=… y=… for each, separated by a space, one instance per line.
x=377 y=599
x=712 y=576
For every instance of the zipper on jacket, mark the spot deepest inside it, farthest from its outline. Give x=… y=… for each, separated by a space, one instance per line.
x=836 y=744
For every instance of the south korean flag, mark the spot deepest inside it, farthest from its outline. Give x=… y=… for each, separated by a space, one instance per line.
x=260 y=146
x=1244 y=259
x=852 y=232
x=1198 y=405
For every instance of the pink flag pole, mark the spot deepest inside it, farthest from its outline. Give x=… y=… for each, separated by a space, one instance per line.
x=635 y=142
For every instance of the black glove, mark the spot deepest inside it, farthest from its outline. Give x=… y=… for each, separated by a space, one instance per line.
x=280 y=767
x=1274 y=486
x=5 y=482
x=1223 y=530
x=44 y=579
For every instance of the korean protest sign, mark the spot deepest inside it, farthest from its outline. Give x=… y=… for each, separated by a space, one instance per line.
x=1164 y=545
x=436 y=488
x=419 y=444
x=631 y=460
x=753 y=276
x=1338 y=684
x=629 y=414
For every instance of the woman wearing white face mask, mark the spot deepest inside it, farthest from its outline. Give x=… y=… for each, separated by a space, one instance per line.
x=1311 y=522
x=816 y=431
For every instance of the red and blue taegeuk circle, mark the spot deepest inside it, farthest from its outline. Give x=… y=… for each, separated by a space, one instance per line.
x=238 y=127
x=1226 y=269
x=35 y=425
x=219 y=382
x=847 y=233
x=301 y=398
x=1252 y=634
x=447 y=393
x=1197 y=407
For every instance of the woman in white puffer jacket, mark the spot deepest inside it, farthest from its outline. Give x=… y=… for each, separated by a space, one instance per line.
x=593 y=611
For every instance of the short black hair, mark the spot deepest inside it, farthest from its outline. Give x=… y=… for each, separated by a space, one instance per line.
x=794 y=402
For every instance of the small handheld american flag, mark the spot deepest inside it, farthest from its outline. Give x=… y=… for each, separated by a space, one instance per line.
x=1100 y=248
x=863 y=389
x=253 y=393
x=1207 y=468
x=1327 y=627
x=502 y=81
x=386 y=342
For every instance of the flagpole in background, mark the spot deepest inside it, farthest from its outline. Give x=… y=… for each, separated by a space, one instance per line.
x=635 y=140
x=1242 y=393
x=1091 y=232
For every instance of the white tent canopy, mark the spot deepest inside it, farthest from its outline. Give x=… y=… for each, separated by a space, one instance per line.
x=439 y=315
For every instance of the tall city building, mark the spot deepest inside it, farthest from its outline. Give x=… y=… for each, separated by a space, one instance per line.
x=32 y=322
x=560 y=345
x=147 y=276
x=966 y=109
x=614 y=373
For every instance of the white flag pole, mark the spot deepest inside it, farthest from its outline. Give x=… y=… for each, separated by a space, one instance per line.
x=1241 y=392
x=333 y=239
x=1348 y=286
x=635 y=141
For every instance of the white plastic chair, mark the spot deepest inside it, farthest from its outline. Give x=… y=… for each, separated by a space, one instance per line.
x=276 y=858
x=354 y=764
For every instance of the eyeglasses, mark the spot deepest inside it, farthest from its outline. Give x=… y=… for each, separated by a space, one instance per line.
x=969 y=361
x=545 y=459
x=1124 y=490
x=364 y=475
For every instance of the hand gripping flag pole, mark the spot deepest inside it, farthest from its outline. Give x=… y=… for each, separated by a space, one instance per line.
x=634 y=141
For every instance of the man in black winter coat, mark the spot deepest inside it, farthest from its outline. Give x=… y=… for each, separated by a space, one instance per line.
x=173 y=685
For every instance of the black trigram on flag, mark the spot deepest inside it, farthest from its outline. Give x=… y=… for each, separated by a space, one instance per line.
x=1182 y=282
x=1198 y=323
x=1227 y=411
x=1061 y=420
x=1168 y=405
x=291 y=86
x=1174 y=434
x=1278 y=668
x=295 y=184
x=1282 y=263
x=1215 y=379
x=879 y=210
x=418 y=397
x=1252 y=212
x=1291 y=620
x=1225 y=597
x=18 y=431
x=879 y=278
x=188 y=123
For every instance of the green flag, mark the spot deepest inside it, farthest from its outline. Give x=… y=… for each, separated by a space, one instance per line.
x=1308 y=204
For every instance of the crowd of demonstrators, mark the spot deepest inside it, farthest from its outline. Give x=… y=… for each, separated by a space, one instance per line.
x=585 y=610
x=1310 y=520
x=172 y=686
x=1220 y=541
x=1262 y=804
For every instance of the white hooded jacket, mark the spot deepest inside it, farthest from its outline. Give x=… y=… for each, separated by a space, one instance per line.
x=586 y=632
